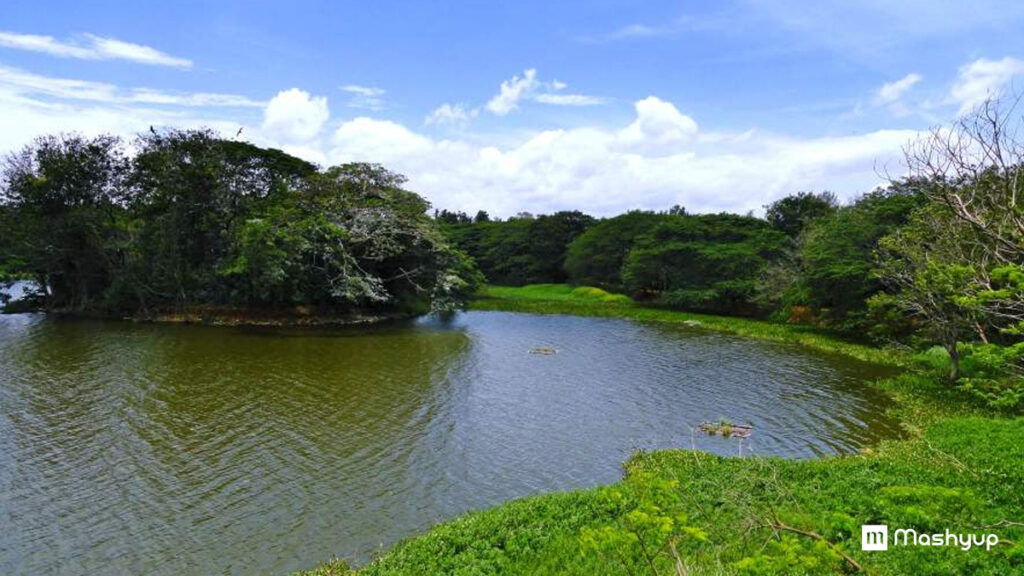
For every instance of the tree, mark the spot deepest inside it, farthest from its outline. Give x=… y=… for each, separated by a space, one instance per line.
x=706 y=262
x=790 y=215
x=928 y=276
x=520 y=250
x=66 y=194
x=976 y=171
x=481 y=217
x=596 y=256
x=549 y=238
x=836 y=255
x=196 y=220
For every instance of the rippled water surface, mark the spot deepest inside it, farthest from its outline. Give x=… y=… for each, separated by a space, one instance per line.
x=195 y=451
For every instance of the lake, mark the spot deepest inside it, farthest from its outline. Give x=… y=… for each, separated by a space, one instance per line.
x=196 y=451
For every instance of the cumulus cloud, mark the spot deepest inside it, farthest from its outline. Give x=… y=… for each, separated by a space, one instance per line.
x=91 y=47
x=659 y=128
x=656 y=159
x=512 y=91
x=295 y=117
x=891 y=92
x=659 y=159
x=983 y=79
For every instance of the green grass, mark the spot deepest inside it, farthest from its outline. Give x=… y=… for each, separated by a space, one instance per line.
x=959 y=467
x=553 y=293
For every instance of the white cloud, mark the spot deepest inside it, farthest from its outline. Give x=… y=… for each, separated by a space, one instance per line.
x=512 y=91
x=21 y=82
x=659 y=159
x=26 y=118
x=983 y=79
x=529 y=87
x=660 y=128
x=295 y=117
x=569 y=99
x=366 y=97
x=91 y=47
x=367 y=138
x=451 y=114
x=891 y=92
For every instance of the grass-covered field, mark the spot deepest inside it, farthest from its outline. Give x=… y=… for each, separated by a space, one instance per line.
x=959 y=468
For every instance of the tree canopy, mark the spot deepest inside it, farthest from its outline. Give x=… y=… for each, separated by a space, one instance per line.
x=192 y=219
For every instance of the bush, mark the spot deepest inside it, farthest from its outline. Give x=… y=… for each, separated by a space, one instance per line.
x=989 y=372
x=598 y=295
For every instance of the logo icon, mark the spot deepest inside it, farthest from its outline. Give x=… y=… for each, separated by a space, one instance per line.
x=874 y=537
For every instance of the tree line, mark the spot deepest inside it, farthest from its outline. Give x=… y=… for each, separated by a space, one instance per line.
x=191 y=219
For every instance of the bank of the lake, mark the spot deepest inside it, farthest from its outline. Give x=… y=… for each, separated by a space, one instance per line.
x=959 y=468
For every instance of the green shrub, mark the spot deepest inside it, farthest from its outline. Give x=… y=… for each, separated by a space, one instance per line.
x=598 y=295
x=989 y=372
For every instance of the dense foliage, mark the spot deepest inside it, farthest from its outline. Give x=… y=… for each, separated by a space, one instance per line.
x=703 y=262
x=520 y=250
x=831 y=265
x=597 y=257
x=792 y=214
x=190 y=219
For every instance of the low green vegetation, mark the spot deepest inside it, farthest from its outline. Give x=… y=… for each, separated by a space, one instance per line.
x=551 y=293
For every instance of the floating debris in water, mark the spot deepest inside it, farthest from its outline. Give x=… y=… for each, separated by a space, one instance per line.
x=543 y=351
x=724 y=428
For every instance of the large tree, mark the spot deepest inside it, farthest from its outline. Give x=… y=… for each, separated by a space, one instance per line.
x=976 y=172
x=596 y=256
x=64 y=196
x=790 y=215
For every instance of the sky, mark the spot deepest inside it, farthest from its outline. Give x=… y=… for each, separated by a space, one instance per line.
x=602 y=106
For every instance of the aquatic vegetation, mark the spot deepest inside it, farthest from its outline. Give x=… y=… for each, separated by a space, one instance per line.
x=726 y=429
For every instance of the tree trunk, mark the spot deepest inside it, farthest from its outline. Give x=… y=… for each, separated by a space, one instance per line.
x=954 y=357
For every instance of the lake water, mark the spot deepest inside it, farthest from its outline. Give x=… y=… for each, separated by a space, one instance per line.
x=196 y=451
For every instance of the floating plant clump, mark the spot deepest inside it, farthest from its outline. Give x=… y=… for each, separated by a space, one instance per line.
x=543 y=351
x=726 y=429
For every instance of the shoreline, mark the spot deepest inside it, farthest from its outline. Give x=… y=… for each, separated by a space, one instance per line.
x=513 y=299
x=730 y=498
x=234 y=317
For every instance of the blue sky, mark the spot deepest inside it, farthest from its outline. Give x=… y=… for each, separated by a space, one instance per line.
x=537 y=106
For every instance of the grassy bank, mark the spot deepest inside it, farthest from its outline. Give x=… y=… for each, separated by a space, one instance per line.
x=586 y=301
x=960 y=469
